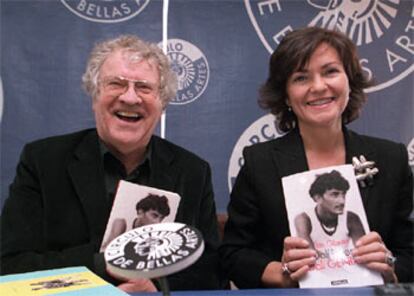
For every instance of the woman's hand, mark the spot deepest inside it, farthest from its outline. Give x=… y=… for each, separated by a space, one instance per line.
x=297 y=259
x=371 y=251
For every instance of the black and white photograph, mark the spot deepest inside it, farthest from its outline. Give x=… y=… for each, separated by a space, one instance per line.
x=324 y=207
x=136 y=206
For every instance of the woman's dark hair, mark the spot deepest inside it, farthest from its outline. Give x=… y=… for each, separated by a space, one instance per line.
x=294 y=53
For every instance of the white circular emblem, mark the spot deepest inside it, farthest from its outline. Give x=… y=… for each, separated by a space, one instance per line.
x=410 y=149
x=154 y=250
x=261 y=130
x=106 y=11
x=192 y=70
x=383 y=27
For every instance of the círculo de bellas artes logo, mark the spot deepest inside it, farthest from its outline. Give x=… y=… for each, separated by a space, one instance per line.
x=383 y=27
x=106 y=11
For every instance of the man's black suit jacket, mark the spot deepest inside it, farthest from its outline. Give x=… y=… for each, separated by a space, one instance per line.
x=258 y=223
x=57 y=210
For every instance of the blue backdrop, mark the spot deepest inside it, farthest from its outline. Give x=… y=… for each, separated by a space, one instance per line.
x=219 y=49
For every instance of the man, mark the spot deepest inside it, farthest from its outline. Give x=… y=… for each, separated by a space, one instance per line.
x=327 y=221
x=61 y=197
x=151 y=209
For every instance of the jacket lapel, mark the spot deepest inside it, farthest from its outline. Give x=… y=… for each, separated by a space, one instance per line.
x=356 y=146
x=289 y=154
x=163 y=173
x=86 y=172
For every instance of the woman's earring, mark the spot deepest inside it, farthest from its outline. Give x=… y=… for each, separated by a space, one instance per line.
x=287 y=104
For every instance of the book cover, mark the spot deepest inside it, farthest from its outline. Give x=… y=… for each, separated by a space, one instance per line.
x=135 y=206
x=64 y=281
x=324 y=206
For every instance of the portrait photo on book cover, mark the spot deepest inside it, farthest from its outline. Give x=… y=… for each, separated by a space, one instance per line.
x=324 y=207
x=135 y=206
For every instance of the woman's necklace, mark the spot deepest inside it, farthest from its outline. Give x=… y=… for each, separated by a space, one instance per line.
x=329 y=230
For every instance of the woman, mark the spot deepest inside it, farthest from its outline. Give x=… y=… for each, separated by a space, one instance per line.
x=315 y=87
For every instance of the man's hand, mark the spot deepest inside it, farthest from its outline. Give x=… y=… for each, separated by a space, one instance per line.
x=138 y=285
x=134 y=285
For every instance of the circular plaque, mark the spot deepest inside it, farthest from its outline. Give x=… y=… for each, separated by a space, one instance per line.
x=154 y=250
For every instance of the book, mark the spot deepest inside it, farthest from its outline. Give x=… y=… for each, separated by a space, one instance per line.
x=63 y=281
x=137 y=205
x=324 y=206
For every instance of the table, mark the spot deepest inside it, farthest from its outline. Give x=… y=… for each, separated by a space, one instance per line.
x=403 y=289
x=366 y=291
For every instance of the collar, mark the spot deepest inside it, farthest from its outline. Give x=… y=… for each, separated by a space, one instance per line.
x=104 y=150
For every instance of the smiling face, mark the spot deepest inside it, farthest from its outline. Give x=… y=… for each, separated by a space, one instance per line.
x=319 y=93
x=126 y=113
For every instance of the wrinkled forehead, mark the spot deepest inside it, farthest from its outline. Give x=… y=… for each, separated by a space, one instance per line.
x=130 y=64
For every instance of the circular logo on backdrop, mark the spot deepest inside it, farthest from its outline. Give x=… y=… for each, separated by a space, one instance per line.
x=106 y=11
x=410 y=149
x=261 y=130
x=191 y=67
x=383 y=27
x=154 y=250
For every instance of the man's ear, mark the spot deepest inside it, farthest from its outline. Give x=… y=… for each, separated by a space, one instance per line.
x=317 y=197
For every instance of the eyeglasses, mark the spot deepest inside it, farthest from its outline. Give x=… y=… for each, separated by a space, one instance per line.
x=119 y=85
